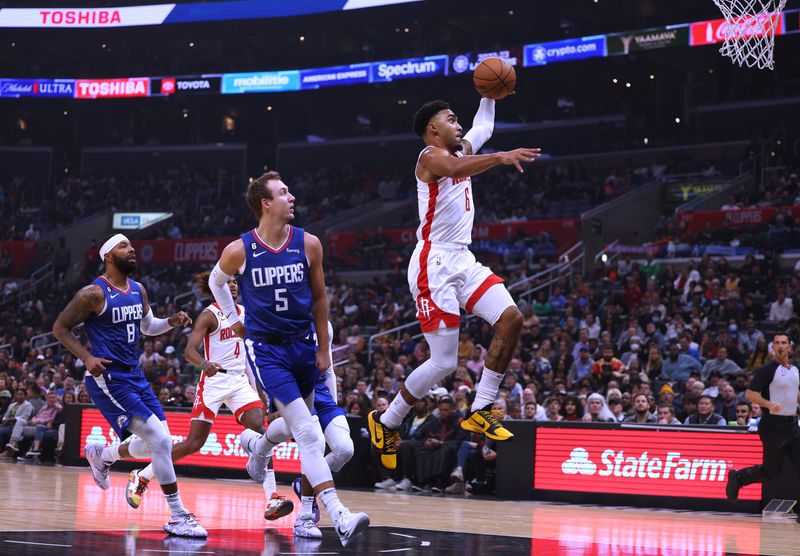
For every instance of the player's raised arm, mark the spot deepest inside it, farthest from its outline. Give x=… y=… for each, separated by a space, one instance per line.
x=482 y=127
x=439 y=162
x=87 y=302
x=232 y=259
x=153 y=326
x=319 y=310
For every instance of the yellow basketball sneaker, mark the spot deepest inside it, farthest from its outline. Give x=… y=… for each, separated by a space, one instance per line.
x=135 y=489
x=485 y=421
x=384 y=439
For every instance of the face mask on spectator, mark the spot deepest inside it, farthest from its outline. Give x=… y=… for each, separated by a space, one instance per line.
x=732 y=328
x=635 y=347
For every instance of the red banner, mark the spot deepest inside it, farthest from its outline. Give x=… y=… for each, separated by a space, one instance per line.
x=167 y=251
x=22 y=252
x=222 y=448
x=112 y=88
x=697 y=220
x=644 y=462
x=564 y=231
x=717 y=30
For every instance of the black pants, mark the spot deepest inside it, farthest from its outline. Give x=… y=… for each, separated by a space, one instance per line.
x=780 y=437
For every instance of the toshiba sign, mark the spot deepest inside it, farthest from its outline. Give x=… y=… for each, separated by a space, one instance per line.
x=112 y=88
x=643 y=462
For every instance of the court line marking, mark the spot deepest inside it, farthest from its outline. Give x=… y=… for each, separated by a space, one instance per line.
x=309 y=553
x=38 y=543
x=402 y=535
x=395 y=550
x=176 y=548
x=424 y=543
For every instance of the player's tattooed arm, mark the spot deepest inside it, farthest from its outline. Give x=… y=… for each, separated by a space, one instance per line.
x=87 y=302
x=316 y=281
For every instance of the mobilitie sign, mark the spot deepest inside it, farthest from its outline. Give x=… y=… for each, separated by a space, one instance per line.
x=647 y=39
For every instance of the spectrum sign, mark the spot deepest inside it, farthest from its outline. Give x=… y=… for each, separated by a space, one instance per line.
x=643 y=462
x=112 y=88
x=429 y=66
x=222 y=448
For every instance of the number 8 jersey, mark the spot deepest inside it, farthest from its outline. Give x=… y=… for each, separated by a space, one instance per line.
x=114 y=333
x=275 y=288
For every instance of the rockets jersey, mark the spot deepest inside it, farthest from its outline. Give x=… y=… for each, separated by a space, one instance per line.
x=274 y=286
x=446 y=209
x=114 y=333
x=222 y=345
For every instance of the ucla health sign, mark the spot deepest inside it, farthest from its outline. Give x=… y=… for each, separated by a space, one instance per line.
x=429 y=66
x=261 y=82
x=15 y=88
x=562 y=51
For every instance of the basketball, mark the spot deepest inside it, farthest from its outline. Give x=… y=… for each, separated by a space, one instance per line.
x=494 y=78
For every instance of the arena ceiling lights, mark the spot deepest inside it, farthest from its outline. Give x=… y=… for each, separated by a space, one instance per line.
x=164 y=14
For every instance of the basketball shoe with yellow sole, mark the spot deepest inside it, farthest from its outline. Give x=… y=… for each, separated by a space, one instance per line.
x=485 y=421
x=136 y=488
x=384 y=439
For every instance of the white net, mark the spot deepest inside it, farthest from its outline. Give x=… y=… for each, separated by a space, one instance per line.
x=749 y=30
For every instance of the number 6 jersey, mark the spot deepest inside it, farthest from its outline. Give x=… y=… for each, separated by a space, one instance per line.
x=275 y=288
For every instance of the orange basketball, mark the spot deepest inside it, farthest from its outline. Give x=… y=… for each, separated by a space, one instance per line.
x=494 y=78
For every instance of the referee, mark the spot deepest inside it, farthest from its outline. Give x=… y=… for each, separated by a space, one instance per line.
x=776 y=388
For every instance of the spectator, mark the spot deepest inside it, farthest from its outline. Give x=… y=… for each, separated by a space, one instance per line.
x=743 y=410
x=759 y=357
x=666 y=415
x=16 y=417
x=781 y=309
x=615 y=406
x=721 y=364
x=641 y=411
x=705 y=413
x=678 y=367
x=553 y=409
x=581 y=367
x=46 y=423
x=597 y=411
x=748 y=339
x=572 y=409
x=726 y=403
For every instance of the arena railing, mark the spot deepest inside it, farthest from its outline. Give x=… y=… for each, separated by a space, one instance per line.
x=567 y=263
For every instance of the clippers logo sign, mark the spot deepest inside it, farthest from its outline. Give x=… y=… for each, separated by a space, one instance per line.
x=718 y=30
x=429 y=66
x=113 y=88
x=638 y=462
x=186 y=85
x=468 y=62
x=222 y=448
x=647 y=39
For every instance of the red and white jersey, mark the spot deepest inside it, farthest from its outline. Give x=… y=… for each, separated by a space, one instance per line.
x=446 y=210
x=222 y=345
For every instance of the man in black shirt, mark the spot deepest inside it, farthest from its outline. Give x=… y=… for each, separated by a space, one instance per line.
x=776 y=388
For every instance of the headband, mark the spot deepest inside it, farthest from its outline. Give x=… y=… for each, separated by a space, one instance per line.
x=112 y=242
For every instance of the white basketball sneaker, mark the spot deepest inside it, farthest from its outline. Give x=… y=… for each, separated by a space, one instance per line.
x=306 y=527
x=350 y=525
x=185 y=525
x=256 y=465
x=93 y=453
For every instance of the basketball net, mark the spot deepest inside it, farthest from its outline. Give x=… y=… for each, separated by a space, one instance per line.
x=749 y=30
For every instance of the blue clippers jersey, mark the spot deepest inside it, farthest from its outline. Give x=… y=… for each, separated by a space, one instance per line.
x=115 y=332
x=275 y=290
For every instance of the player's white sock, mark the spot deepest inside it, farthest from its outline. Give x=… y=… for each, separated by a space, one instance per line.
x=176 y=506
x=397 y=411
x=110 y=454
x=147 y=473
x=306 y=504
x=331 y=501
x=486 y=391
x=269 y=483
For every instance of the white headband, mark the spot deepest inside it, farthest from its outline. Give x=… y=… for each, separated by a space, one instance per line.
x=112 y=242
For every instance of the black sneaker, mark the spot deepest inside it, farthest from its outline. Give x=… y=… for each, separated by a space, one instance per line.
x=733 y=486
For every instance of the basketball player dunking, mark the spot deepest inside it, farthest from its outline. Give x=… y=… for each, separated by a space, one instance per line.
x=225 y=379
x=114 y=309
x=283 y=292
x=443 y=274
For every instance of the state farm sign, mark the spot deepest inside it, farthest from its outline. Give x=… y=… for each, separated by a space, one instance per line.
x=112 y=88
x=651 y=462
x=718 y=30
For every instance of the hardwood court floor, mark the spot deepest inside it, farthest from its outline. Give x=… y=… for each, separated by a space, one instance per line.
x=49 y=510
